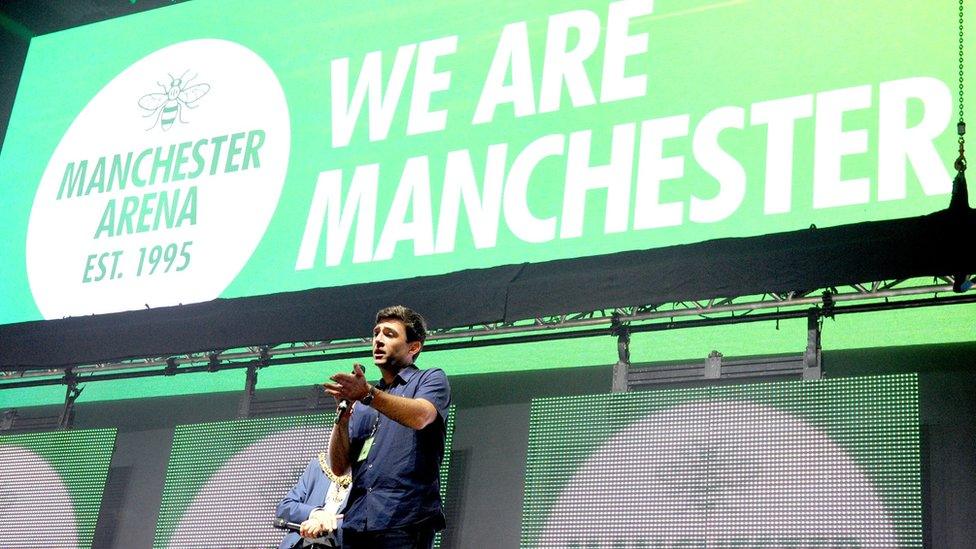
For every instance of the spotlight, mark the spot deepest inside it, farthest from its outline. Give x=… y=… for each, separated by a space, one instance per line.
x=962 y=283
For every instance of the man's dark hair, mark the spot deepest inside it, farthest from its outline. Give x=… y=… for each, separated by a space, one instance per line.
x=414 y=323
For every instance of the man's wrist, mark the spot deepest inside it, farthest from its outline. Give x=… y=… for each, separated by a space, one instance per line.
x=370 y=394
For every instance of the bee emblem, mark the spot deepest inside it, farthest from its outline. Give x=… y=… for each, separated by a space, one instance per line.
x=167 y=106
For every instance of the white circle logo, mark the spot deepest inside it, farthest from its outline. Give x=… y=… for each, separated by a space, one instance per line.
x=30 y=486
x=163 y=186
x=720 y=474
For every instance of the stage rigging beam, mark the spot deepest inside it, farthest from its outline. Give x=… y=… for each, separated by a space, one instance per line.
x=882 y=295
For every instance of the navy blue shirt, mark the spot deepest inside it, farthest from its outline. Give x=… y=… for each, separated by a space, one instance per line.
x=398 y=484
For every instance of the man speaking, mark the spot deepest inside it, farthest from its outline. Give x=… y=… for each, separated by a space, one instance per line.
x=392 y=436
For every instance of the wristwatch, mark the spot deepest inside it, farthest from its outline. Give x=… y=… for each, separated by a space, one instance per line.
x=368 y=399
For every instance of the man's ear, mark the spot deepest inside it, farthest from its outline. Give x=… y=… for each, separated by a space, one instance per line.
x=415 y=347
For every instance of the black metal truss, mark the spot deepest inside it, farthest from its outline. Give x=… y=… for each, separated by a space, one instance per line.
x=822 y=302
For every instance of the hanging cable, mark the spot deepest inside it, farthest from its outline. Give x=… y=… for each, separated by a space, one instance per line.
x=960 y=194
x=959 y=203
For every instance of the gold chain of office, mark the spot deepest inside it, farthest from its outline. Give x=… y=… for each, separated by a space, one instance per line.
x=342 y=480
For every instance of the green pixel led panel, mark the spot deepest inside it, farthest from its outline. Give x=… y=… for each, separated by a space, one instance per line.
x=51 y=487
x=239 y=471
x=830 y=463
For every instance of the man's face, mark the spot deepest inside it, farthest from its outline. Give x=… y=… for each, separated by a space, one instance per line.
x=390 y=346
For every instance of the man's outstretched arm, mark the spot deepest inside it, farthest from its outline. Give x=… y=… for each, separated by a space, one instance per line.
x=415 y=413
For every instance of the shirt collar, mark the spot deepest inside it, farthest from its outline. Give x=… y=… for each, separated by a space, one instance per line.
x=403 y=376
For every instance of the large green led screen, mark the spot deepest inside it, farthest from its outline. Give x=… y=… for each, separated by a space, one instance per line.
x=831 y=463
x=51 y=487
x=225 y=148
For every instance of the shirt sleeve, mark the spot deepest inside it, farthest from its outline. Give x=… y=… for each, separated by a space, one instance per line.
x=434 y=388
x=295 y=507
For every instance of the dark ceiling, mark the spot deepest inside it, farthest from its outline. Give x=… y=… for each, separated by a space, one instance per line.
x=20 y=20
